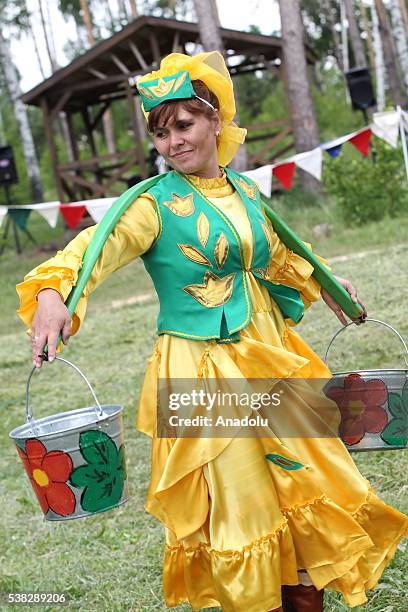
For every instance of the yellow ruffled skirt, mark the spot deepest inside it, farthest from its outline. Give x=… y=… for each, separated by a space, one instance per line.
x=238 y=526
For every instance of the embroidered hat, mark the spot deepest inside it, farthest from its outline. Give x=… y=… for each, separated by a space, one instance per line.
x=173 y=82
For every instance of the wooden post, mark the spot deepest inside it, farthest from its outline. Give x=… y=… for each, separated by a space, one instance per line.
x=89 y=125
x=53 y=150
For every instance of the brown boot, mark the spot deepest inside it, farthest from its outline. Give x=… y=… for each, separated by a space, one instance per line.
x=301 y=598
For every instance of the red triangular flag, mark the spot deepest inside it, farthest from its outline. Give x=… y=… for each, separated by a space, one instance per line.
x=284 y=173
x=362 y=141
x=72 y=214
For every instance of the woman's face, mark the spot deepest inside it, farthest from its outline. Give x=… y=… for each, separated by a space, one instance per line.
x=188 y=143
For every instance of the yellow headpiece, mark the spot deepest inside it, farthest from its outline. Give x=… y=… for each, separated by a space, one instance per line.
x=209 y=68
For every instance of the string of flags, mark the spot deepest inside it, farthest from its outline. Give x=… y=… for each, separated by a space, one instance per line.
x=385 y=125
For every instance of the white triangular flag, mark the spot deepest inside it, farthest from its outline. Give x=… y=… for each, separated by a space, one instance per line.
x=49 y=211
x=386 y=126
x=263 y=177
x=311 y=162
x=3 y=213
x=405 y=119
x=97 y=208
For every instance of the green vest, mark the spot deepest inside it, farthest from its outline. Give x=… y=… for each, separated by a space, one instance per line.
x=197 y=262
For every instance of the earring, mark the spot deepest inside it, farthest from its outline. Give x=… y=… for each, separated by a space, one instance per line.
x=217 y=133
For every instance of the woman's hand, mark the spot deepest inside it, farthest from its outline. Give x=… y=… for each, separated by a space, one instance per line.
x=50 y=318
x=335 y=306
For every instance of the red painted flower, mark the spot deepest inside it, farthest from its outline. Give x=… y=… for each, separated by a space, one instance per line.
x=48 y=473
x=360 y=403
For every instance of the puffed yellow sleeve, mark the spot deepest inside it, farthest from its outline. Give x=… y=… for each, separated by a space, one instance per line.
x=132 y=236
x=288 y=268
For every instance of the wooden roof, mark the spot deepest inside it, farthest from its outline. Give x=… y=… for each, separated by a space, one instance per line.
x=102 y=72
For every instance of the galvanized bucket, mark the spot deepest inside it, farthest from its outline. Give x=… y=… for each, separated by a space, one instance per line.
x=75 y=460
x=373 y=403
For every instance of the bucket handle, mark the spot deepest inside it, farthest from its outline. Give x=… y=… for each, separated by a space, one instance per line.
x=29 y=412
x=373 y=321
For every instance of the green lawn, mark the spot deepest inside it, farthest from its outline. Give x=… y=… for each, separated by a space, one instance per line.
x=113 y=561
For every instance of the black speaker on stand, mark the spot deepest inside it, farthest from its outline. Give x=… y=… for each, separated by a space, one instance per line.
x=361 y=90
x=8 y=176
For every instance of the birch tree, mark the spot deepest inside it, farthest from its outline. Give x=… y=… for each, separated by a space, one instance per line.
x=107 y=117
x=390 y=60
x=211 y=40
x=297 y=87
x=20 y=112
x=355 y=38
x=379 y=61
x=400 y=37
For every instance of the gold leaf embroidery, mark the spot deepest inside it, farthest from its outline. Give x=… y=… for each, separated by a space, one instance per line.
x=268 y=238
x=250 y=190
x=183 y=207
x=221 y=250
x=264 y=273
x=194 y=254
x=214 y=291
x=203 y=228
x=162 y=88
x=179 y=81
x=146 y=92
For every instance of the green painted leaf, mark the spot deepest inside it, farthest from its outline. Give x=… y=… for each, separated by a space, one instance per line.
x=405 y=397
x=97 y=447
x=396 y=432
x=395 y=405
x=284 y=462
x=104 y=474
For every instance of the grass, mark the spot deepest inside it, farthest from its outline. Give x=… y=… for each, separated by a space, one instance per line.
x=113 y=561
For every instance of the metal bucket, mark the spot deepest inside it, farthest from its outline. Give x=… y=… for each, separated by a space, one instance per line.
x=75 y=460
x=373 y=403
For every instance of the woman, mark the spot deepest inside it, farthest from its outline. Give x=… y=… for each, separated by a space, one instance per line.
x=242 y=515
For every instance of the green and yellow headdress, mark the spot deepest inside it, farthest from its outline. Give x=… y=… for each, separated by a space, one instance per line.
x=173 y=82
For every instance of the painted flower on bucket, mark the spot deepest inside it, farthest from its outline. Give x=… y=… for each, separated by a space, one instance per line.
x=102 y=477
x=48 y=472
x=360 y=403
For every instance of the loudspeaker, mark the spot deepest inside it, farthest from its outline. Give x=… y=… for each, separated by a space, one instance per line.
x=8 y=171
x=360 y=88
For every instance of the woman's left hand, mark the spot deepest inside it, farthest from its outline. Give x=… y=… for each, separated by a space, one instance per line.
x=338 y=311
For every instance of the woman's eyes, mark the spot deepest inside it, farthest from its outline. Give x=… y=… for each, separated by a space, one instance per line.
x=185 y=125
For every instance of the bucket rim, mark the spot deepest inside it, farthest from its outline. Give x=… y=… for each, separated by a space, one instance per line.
x=98 y=419
x=405 y=370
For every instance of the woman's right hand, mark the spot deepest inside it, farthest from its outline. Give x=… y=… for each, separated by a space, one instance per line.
x=51 y=318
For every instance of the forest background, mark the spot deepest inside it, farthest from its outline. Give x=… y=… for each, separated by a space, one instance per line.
x=359 y=189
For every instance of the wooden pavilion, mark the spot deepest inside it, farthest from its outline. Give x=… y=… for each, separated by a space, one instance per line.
x=107 y=72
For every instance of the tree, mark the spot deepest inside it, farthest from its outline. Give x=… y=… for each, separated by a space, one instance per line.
x=211 y=40
x=107 y=117
x=379 y=61
x=20 y=112
x=390 y=59
x=297 y=87
x=355 y=38
x=400 y=37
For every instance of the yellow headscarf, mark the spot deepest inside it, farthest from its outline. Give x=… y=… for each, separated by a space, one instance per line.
x=209 y=68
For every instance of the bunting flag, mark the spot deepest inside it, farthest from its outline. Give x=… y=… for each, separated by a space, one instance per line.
x=311 y=162
x=49 y=211
x=263 y=178
x=3 y=213
x=362 y=141
x=386 y=126
x=20 y=216
x=284 y=173
x=72 y=214
x=97 y=208
x=334 y=151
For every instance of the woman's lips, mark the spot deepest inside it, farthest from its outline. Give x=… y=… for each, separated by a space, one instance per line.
x=182 y=154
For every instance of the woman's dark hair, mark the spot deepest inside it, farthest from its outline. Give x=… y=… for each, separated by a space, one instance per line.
x=161 y=114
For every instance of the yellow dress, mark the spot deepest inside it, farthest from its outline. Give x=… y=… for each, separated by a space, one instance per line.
x=238 y=526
